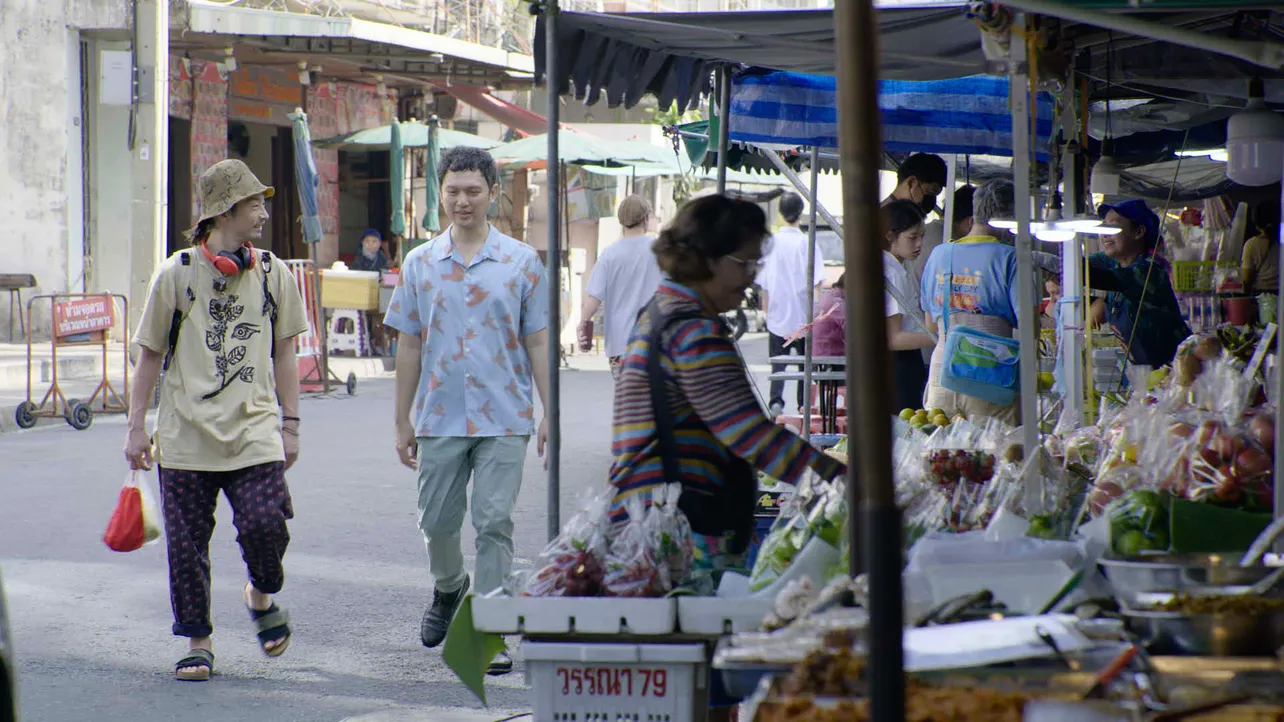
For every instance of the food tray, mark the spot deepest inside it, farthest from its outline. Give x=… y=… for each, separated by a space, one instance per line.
x=715 y=616
x=499 y=613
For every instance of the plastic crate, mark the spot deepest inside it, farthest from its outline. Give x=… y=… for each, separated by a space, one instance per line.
x=1197 y=276
x=652 y=682
x=501 y=614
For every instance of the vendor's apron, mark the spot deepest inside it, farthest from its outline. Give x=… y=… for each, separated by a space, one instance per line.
x=952 y=402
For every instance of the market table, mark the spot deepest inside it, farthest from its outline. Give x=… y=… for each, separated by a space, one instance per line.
x=827 y=381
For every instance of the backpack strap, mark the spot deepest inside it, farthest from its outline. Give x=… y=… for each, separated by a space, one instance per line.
x=180 y=311
x=269 y=301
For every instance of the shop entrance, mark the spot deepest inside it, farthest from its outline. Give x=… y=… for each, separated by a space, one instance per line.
x=269 y=152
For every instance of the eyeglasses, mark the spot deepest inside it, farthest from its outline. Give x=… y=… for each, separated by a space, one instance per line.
x=753 y=266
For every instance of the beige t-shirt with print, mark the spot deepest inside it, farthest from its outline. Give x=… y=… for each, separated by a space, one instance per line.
x=218 y=404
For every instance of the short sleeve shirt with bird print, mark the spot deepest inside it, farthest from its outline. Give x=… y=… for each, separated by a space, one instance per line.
x=475 y=378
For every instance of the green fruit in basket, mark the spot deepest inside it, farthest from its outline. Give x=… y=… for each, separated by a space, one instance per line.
x=928 y=429
x=1040 y=527
x=1131 y=543
x=1157 y=541
x=906 y=414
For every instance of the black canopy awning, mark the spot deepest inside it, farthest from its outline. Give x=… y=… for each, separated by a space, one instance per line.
x=670 y=55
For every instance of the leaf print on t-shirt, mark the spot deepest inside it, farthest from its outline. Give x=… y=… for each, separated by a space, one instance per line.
x=223 y=311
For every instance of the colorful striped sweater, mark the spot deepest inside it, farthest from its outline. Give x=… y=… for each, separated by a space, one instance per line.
x=715 y=411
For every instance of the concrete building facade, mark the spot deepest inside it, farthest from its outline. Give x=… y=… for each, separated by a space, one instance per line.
x=65 y=158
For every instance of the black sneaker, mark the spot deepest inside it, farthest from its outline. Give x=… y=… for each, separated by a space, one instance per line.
x=501 y=664
x=432 y=630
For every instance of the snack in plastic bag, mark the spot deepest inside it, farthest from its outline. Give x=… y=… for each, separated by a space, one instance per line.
x=818 y=510
x=134 y=522
x=672 y=530
x=632 y=569
x=573 y=564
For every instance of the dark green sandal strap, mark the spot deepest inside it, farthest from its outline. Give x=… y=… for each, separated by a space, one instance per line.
x=271 y=624
x=196 y=658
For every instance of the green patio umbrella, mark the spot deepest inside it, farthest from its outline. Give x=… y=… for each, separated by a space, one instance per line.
x=576 y=149
x=397 y=176
x=414 y=134
x=432 y=214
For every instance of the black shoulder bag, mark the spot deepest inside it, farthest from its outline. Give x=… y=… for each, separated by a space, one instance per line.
x=726 y=511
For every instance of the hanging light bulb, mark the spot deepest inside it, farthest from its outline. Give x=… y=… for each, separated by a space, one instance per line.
x=1255 y=141
x=1105 y=173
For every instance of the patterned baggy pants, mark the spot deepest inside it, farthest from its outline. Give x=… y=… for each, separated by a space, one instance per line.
x=260 y=504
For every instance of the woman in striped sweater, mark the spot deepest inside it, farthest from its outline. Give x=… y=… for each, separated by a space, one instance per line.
x=710 y=254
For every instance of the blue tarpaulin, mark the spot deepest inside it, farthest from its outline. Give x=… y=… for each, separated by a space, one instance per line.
x=968 y=116
x=305 y=177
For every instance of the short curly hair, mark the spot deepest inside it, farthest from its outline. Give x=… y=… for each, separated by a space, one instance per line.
x=704 y=230
x=462 y=159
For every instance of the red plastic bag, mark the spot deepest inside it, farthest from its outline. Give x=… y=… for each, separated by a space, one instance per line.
x=133 y=522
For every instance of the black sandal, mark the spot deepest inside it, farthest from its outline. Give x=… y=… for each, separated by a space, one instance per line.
x=271 y=625
x=201 y=660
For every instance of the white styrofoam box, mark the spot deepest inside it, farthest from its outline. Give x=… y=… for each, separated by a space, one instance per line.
x=1024 y=586
x=975 y=644
x=616 y=681
x=501 y=614
x=716 y=616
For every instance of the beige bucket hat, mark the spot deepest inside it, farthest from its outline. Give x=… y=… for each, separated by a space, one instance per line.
x=225 y=184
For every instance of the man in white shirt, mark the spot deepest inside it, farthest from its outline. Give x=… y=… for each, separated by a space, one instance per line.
x=783 y=281
x=624 y=279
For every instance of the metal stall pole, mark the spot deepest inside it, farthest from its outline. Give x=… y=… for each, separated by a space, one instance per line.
x=1072 y=300
x=1279 y=387
x=1026 y=322
x=552 y=181
x=947 y=211
x=724 y=126
x=869 y=474
x=774 y=158
x=811 y=290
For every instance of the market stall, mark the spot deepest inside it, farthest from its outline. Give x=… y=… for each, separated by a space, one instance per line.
x=983 y=505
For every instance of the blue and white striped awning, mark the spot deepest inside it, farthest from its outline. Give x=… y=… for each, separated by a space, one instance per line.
x=966 y=115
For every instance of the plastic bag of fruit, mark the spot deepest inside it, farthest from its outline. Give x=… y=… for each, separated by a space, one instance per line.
x=632 y=568
x=961 y=453
x=671 y=533
x=819 y=513
x=573 y=564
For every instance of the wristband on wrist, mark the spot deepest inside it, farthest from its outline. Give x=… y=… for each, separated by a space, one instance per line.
x=290 y=418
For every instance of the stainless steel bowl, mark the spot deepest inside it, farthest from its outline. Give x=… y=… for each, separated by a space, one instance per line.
x=1176 y=572
x=1222 y=634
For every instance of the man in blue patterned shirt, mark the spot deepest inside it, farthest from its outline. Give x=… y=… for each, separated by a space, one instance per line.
x=472 y=311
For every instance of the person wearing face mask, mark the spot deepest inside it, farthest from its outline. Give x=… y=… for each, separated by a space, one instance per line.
x=906 y=334
x=371 y=257
x=1140 y=305
x=920 y=179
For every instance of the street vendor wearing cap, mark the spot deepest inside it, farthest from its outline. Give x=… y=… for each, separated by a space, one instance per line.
x=712 y=434
x=1140 y=304
x=220 y=319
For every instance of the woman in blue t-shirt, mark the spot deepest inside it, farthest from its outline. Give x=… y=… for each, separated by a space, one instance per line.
x=982 y=295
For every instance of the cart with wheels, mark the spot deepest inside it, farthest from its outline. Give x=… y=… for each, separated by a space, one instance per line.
x=78 y=320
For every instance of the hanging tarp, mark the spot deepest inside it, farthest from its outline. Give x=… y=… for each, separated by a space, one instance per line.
x=967 y=116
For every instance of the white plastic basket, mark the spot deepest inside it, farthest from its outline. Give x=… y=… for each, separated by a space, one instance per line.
x=502 y=614
x=652 y=682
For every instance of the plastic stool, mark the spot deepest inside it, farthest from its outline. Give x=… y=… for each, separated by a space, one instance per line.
x=348 y=332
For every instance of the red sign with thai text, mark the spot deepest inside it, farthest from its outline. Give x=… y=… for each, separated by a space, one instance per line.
x=83 y=315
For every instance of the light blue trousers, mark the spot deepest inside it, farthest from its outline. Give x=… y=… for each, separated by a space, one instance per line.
x=495 y=465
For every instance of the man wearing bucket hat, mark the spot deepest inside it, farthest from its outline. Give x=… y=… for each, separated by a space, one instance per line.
x=1140 y=304
x=220 y=319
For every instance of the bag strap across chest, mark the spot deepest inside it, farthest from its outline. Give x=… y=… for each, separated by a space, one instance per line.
x=187 y=297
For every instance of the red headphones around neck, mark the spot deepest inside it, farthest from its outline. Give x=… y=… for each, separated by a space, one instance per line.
x=230 y=263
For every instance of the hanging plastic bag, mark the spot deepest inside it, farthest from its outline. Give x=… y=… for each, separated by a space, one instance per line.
x=135 y=521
